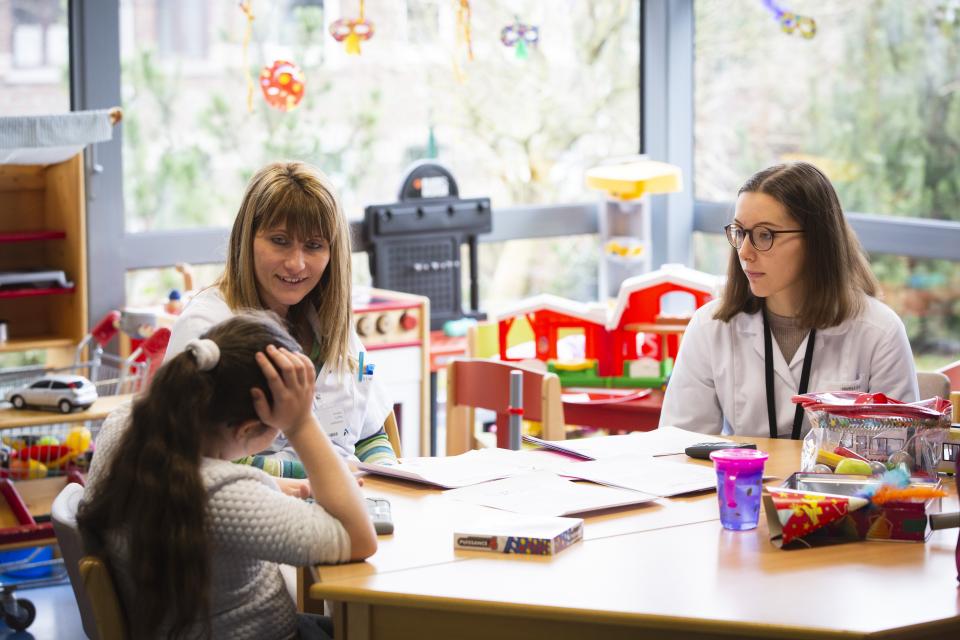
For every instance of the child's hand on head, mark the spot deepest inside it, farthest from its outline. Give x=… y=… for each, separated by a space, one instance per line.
x=290 y=377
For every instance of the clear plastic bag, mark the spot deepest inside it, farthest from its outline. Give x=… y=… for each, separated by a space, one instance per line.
x=874 y=428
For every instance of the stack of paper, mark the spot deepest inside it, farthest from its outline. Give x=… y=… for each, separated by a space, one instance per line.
x=626 y=462
x=659 y=442
x=450 y=472
x=547 y=494
x=649 y=475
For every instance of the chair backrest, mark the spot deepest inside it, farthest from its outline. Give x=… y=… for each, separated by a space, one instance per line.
x=63 y=514
x=952 y=371
x=100 y=610
x=933 y=383
x=98 y=584
x=393 y=432
x=485 y=384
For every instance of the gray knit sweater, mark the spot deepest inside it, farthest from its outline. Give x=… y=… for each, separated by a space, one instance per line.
x=254 y=527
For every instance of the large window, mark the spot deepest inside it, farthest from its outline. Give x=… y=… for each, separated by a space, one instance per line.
x=518 y=128
x=34 y=57
x=871 y=98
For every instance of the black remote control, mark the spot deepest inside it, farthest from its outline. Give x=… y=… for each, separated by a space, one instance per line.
x=703 y=450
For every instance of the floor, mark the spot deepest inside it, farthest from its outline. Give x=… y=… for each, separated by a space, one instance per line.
x=57 y=615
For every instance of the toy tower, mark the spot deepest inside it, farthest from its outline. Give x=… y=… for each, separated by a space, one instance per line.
x=625 y=216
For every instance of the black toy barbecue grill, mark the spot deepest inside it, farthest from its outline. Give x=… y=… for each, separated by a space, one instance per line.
x=414 y=245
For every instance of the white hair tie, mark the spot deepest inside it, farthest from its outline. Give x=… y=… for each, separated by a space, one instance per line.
x=205 y=352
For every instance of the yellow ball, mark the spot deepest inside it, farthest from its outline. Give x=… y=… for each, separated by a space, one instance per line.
x=854 y=467
x=78 y=439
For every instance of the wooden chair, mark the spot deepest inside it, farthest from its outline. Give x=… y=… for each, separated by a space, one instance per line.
x=485 y=384
x=98 y=583
x=100 y=609
x=393 y=432
x=952 y=371
x=933 y=383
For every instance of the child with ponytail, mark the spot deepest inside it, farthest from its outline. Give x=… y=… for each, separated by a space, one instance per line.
x=194 y=541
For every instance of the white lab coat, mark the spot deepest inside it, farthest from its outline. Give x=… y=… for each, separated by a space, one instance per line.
x=718 y=381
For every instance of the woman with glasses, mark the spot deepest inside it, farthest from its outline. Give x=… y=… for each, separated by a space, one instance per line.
x=799 y=314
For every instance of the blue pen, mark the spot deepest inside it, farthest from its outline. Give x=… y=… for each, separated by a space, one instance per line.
x=360 y=367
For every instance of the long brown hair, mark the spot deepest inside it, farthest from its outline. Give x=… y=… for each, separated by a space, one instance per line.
x=301 y=198
x=836 y=273
x=153 y=493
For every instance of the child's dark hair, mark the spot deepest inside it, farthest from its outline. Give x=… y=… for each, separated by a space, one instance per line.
x=153 y=493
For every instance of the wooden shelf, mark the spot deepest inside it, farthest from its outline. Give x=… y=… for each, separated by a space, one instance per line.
x=29 y=293
x=30 y=236
x=39 y=342
x=43 y=226
x=13 y=418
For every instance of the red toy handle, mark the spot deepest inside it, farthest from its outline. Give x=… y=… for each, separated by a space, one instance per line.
x=156 y=344
x=17 y=506
x=108 y=326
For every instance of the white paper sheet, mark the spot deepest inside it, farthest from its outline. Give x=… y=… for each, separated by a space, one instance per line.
x=649 y=475
x=546 y=494
x=662 y=441
x=467 y=469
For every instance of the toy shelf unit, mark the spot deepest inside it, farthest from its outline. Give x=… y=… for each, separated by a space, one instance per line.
x=43 y=283
x=43 y=261
x=624 y=216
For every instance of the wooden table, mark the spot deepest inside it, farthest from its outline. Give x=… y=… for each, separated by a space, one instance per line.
x=13 y=418
x=667 y=570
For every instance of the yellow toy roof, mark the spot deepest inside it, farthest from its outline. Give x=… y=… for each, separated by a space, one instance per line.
x=634 y=179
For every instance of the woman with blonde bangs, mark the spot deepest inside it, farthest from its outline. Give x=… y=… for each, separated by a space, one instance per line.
x=289 y=252
x=797 y=279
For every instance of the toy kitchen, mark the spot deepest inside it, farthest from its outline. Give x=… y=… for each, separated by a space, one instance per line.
x=395 y=329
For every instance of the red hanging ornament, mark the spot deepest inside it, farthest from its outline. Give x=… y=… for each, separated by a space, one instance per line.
x=282 y=84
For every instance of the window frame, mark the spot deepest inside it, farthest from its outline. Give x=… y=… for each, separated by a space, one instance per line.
x=913 y=237
x=666 y=133
x=112 y=251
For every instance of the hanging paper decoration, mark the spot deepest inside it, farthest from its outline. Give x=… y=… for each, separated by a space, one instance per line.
x=520 y=36
x=464 y=41
x=351 y=32
x=282 y=84
x=790 y=22
x=247 y=8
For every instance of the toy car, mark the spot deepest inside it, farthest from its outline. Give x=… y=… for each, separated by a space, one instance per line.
x=64 y=392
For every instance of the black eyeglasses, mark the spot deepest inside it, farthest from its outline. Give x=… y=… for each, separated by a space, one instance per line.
x=761 y=237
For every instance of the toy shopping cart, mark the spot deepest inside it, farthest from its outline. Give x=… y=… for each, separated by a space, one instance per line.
x=28 y=544
x=111 y=374
x=39 y=456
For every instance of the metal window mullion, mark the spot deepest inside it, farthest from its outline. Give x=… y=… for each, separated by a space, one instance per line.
x=95 y=84
x=667 y=94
